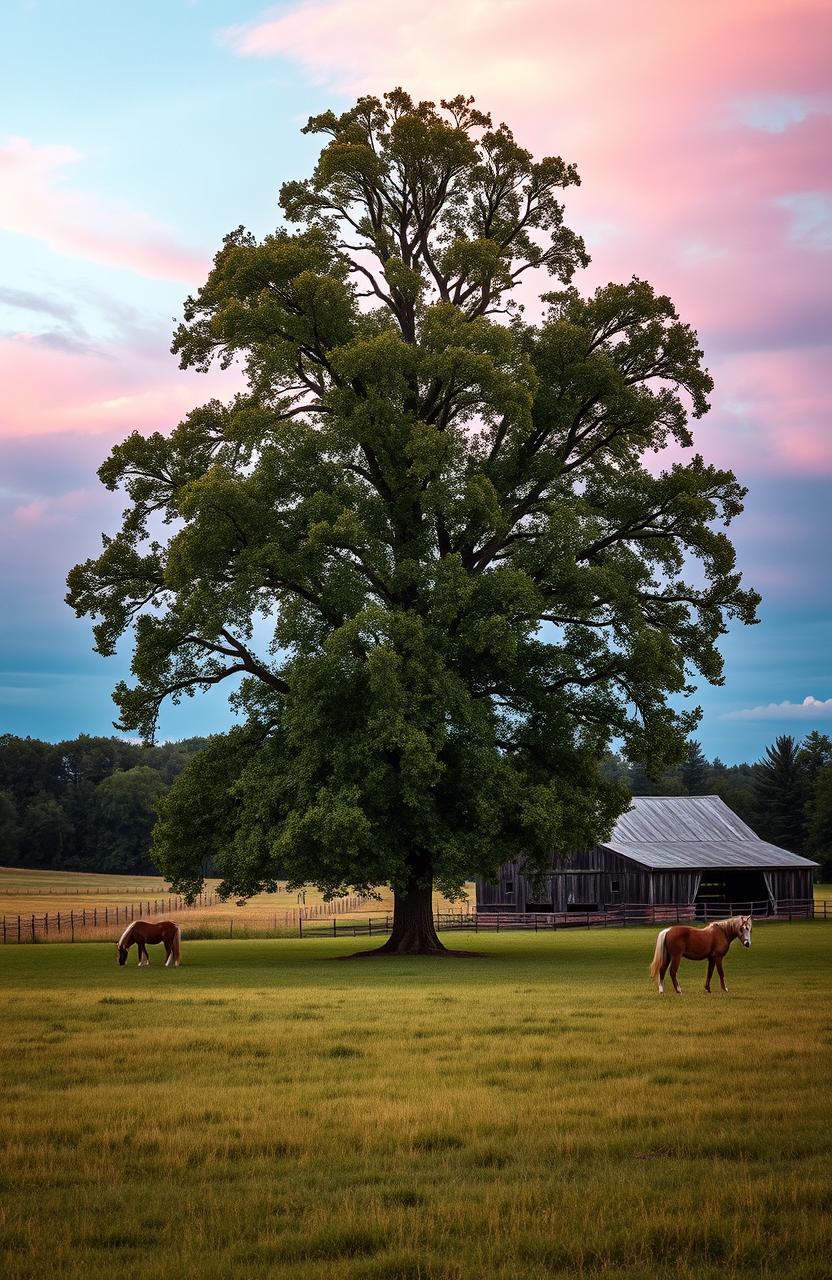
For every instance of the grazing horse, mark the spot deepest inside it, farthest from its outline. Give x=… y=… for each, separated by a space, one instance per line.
x=710 y=943
x=142 y=931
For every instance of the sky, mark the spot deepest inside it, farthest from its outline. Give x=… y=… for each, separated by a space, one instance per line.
x=133 y=137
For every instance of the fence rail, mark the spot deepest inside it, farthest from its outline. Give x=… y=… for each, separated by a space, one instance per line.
x=100 y=923
x=92 y=923
x=607 y=917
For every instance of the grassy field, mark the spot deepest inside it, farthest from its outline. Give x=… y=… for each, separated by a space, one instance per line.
x=25 y=892
x=538 y=1111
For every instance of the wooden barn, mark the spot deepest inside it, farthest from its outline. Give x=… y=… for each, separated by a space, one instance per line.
x=664 y=850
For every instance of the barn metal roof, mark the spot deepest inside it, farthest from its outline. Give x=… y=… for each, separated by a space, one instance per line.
x=676 y=833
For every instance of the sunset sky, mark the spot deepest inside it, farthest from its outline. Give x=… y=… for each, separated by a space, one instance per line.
x=133 y=137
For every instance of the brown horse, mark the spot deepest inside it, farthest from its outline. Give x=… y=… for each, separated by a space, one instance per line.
x=141 y=932
x=710 y=943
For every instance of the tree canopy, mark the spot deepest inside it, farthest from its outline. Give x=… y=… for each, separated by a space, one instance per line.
x=424 y=544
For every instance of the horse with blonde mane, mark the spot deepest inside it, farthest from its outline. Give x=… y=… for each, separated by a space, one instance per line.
x=141 y=932
x=710 y=943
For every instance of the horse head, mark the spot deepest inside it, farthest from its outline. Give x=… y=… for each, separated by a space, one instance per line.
x=121 y=952
x=744 y=930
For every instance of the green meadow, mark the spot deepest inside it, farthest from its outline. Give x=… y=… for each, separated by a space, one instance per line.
x=270 y=1109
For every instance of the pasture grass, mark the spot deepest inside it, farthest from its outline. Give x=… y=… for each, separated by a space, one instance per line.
x=24 y=892
x=270 y=1110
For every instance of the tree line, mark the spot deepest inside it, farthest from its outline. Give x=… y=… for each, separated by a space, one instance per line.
x=88 y=804
x=786 y=797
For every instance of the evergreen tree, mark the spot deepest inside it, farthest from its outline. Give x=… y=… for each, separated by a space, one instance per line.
x=819 y=842
x=695 y=770
x=780 y=795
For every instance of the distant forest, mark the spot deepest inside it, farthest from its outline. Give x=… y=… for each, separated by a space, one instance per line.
x=84 y=805
x=89 y=804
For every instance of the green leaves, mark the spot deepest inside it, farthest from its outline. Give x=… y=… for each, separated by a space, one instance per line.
x=424 y=548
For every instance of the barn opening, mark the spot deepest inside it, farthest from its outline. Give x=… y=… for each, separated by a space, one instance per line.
x=732 y=887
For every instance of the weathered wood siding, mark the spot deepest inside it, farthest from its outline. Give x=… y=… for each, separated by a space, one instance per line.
x=599 y=876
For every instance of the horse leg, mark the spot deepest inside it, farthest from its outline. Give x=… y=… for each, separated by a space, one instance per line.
x=711 y=963
x=168 y=953
x=721 y=974
x=674 y=969
x=662 y=972
x=144 y=958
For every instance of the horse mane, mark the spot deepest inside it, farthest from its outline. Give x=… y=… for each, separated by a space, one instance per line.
x=732 y=922
x=123 y=940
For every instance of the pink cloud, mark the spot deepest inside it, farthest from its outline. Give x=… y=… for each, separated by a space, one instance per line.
x=36 y=200
x=98 y=392
x=62 y=508
x=702 y=134
x=777 y=403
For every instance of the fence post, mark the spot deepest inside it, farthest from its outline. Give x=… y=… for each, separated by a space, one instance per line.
x=334 y=927
x=18 y=928
x=4 y=929
x=300 y=925
x=33 y=928
x=72 y=926
x=370 y=927
x=231 y=927
x=624 y=915
x=59 y=923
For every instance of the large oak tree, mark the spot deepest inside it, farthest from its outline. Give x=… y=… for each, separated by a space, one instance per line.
x=424 y=544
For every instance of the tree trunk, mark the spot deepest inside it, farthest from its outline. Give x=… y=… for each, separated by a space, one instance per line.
x=413 y=932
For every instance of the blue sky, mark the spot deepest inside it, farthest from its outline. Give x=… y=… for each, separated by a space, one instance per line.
x=132 y=138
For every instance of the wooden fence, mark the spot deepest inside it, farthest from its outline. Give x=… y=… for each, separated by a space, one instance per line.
x=96 y=923
x=338 y=919
x=620 y=916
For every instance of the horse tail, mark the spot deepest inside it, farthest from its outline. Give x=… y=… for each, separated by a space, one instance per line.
x=177 y=936
x=658 y=954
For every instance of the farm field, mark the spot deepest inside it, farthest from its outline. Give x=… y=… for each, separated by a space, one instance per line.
x=24 y=892
x=537 y=1111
